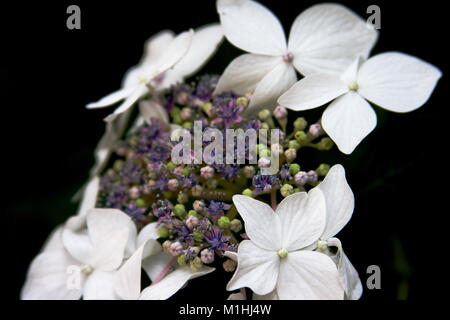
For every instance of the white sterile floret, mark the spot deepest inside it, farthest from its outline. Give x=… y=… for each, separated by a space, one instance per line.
x=324 y=38
x=394 y=81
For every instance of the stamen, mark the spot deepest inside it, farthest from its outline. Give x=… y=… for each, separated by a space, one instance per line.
x=288 y=57
x=282 y=253
x=353 y=86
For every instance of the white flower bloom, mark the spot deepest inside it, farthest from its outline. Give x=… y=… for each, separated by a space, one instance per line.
x=97 y=250
x=340 y=203
x=276 y=258
x=167 y=60
x=324 y=38
x=394 y=81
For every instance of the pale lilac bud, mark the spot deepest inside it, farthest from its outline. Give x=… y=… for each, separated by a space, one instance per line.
x=172 y=184
x=175 y=248
x=263 y=163
x=207 y=256
x=315 y=130
x=178 y=170
x=207 y=172
x=192 y=222
x=290 y=154
x=312 y=176
x=134 y=192
x=301 y=178
x=280 y=113
x=198 y=206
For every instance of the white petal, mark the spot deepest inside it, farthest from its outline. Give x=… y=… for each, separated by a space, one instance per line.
x=270 y=296
x=109 y=231
x=236 y=296
x=204 y=43
x=327 y=38
x=252 y=27
x=339 y=199
x=173 y=282
x=155 y=264
x=271 y=87
x=309 y=275
x=137 y=93
x=128 y=279
x=348 y=274
x=302 y=218
x=48 y=276
x=158 y=44
x=89 y=199
x=313 y=91
x=100 y=286
x=78 y=244
x=257 y=269
x=111 y=98
x=244 y=73
x=53 y=241
x=397 y=82
x=153 y=109
x=231 y=254
x=262 y=225
x=176 y=50
x=348 y=120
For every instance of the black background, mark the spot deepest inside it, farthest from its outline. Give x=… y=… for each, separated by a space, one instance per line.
x=48 y=137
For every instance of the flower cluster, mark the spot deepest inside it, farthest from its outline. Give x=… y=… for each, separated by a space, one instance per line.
x=144 y=210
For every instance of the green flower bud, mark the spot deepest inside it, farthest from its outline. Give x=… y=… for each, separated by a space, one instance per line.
x=286 y=190
x=242 y=101
x=300 y=123
x=188 y=125
x=195 y=264
x=118 y=164
x=175 y=111
x=247 y=192
x=192 y=213
x=323 y=169
x=325 y=144
x=140 y=203
x=198 y=236
x=163 y=232
x=236 y=225
x=186 y=171
x=265 y=125
x=249 y=171
x=182 y=197
x=224 y=222
x=177 y=119
x=264 y=114
x=294 y=168
x=181 y=260
x=170 y=166
x=179 y=210
x=301 y=136
x=265 y=153
x=293 y=144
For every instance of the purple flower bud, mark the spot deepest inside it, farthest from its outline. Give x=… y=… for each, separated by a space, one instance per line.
x=172 y=184
x=280 y=113
x=312 y=176
x=175 y=248
x=134 y=192
x=315 y=130
x=207 y=172
x=301 y=178
x=207 y=256
x=192 y=222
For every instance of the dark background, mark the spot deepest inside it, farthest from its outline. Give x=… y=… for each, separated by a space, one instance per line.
x=48 y=137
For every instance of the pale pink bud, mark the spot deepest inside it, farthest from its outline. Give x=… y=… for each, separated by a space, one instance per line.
x=207 y=256
x=207 y=172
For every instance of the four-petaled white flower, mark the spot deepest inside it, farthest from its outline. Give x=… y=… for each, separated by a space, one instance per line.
x=277 y=257
x=392 y=80
x=324 y=38
x=167 y=60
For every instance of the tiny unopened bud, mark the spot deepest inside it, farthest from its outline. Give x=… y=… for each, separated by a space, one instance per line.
x=247 y=192
x=236 y=225
x=198 y=206
x=195 y=264
x=181 y=260
x=198 y=236
x=301 y=136
x=166 y=245
x=172 y=184
x=134 y=192
x=208 y=109
x=300 y=124
x=212 y=183
x=182 y=197
x=163 y=232
x=280 y=113
x=293 y=144
x=294 y=168
x=192 y=222
x=265 y=153
x=229 y=265
x=242 y=101
x=323 y=169
x=301 y=178
x=207 y=172
x=277 y=149
x=325 y=144
x=175 y=248
x=322 y=245
x=283 y=253
x=312 y=176
x=140 y=203
x=290 y=154
x=315 y=130
x=197 y=190
x=186 y=113
x=179 y=210
x=207 y=256
x=249 y=171
x=264 y=114
x=286 y=190
x=264 y=163
x=224 y=222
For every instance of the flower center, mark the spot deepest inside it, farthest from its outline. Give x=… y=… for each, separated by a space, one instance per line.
x=288 y=57
x=87 y=269
x=353 y=86
x=322 y=245
x=282 y=253
x=142 y=79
